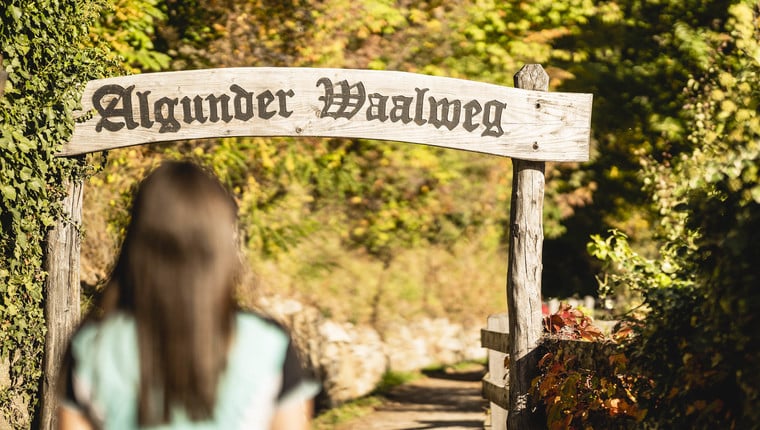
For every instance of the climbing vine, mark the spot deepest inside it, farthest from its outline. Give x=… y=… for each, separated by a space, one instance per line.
x=48 y=56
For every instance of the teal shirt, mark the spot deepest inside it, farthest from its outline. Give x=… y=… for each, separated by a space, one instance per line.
x=260 y=376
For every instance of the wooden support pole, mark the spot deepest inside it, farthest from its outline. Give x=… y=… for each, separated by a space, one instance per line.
x=62 y=306
x=525 y=267
x=3 y=77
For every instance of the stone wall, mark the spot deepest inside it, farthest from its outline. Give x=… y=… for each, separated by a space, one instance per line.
x=350 y=360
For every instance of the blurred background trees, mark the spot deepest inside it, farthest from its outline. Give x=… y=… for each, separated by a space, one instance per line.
x=636 y=57
x=370 y=231
x=377 y=200
x=673 y=172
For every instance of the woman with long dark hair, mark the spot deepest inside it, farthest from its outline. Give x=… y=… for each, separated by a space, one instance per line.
x=167 y=347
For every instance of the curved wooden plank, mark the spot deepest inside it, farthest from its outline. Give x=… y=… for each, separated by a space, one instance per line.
x=395 y=106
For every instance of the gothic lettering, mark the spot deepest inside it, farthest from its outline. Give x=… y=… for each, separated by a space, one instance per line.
x=196 y=113
x=145 y=121
x=264 y=100
x=418 y=108
x=471 y=109
x=376 y=109
x=163 y=110
x=401 y=109
x=114 y=105
x=219 y=103
x=342 y=99
x=281 y=94
x=120 y=95
x=492 y=118
x=241 y=96
x=344 y=103
x=441 y=107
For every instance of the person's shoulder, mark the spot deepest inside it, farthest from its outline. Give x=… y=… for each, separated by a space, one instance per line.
x=260 y=339
x=116 y=324
x=250 y=321
x=99 y=347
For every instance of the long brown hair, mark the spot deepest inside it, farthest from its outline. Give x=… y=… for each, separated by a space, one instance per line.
x=175 y=274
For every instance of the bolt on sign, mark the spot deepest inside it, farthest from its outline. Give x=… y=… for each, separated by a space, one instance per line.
x=270 y=101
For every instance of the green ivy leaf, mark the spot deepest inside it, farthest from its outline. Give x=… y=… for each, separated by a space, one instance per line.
x=9 y=192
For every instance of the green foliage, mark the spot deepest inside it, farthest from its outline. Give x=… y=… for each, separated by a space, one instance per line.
x=628 y=53
x=636 y=57
x=48 y=56
x=375 y=199
x=327 y=178
x=128 y=28
x=221 y=33
x=629 y=275
x=498 y=37
x=270 y=178
x=378 y=197
x=346 y=412
x=405 y=198
x=698 y=340
x=392 y=379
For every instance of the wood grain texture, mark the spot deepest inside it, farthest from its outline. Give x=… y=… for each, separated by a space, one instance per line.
x=524 y=271
x=497 y=393
x=62 y=295
x=495 y=388
x=445 y=112
x=494 y=340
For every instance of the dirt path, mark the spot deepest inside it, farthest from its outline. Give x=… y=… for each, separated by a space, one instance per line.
x=447 y=399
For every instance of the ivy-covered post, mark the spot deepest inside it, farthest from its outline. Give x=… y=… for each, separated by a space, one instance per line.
x=3 y=77
x=525 y=266
x=62 y=289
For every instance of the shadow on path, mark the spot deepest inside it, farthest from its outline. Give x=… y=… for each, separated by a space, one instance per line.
x=443 y=399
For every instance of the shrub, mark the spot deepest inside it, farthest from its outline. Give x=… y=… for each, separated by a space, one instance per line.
x=699 y=340
x=584 y=380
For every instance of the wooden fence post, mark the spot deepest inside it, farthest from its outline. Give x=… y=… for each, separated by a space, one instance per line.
x=496 y=339
x=62 y=306
x=525 y=267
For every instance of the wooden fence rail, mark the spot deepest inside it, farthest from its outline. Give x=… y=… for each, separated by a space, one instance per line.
x=495 y=338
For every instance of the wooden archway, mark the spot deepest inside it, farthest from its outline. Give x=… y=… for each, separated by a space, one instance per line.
x=526 y=123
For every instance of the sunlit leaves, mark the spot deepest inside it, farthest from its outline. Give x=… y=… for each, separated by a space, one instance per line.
x=129 y=29
x=700 y=290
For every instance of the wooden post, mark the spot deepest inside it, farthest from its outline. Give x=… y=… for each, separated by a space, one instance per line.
x=3 y=77
x=495 y=339
x=62 y=306
x=525 y=266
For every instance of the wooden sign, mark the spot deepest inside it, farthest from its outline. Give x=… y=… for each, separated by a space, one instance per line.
x=394 y=106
